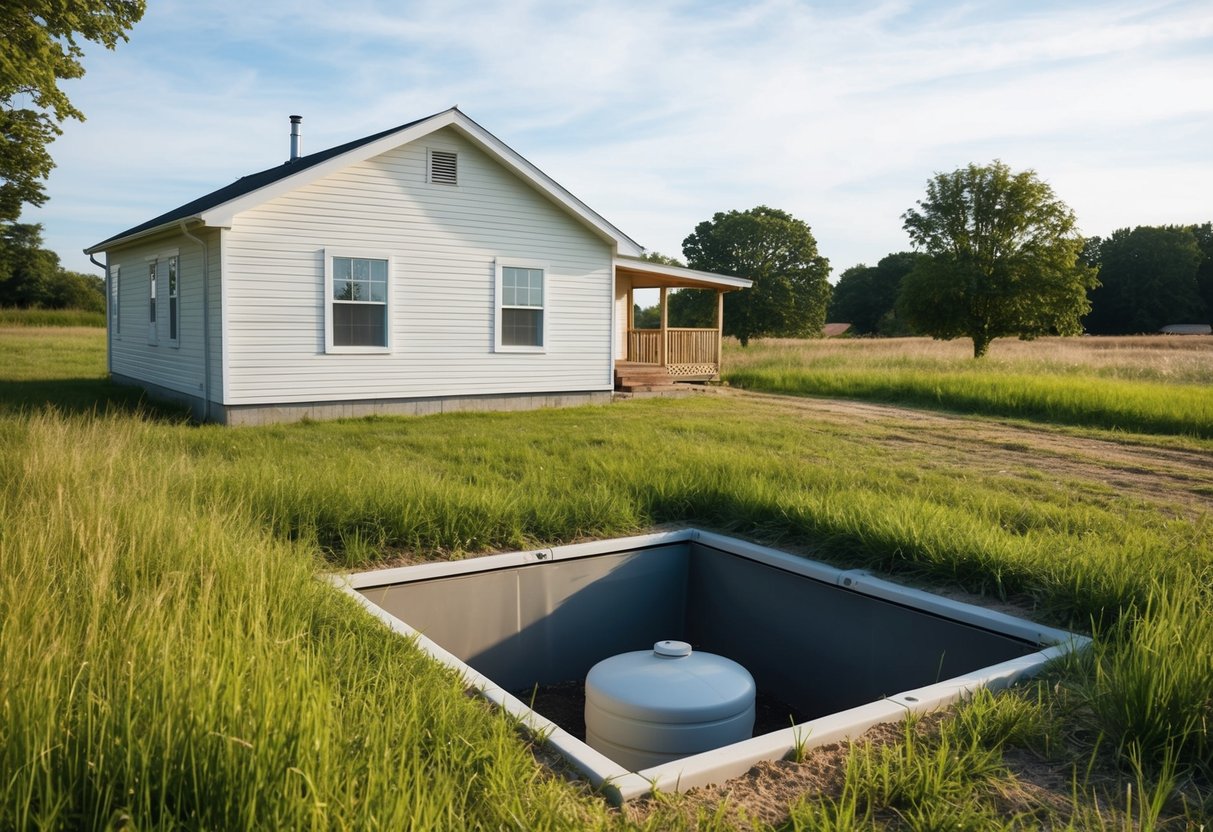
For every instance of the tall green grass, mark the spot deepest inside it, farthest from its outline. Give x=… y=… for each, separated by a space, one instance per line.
x=165 y=663
x=467 y=483
x=1082 y=388
x=167 y=658
x=1140 y=407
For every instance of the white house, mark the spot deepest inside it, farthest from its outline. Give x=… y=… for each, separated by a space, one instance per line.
x=425 y=268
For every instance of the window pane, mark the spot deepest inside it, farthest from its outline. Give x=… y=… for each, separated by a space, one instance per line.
x=172 y=317
x=521 y=287
x=359 y=325
x=359 y=278
x=522 y=327
x=509 y=283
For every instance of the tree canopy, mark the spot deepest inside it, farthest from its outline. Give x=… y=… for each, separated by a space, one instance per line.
x=777 y=252
x=31 y=276
x=1148 y=279
x=38 y=48
x=1002 y=258
x=662 y=259
x=866 y=296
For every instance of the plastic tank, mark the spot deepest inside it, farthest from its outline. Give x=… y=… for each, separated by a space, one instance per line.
x=652 y=706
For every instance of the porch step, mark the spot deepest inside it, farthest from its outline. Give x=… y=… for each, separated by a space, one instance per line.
x=646 y=388
x=631 y=377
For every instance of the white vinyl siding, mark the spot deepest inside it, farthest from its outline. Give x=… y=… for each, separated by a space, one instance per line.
x=178 y=369
x=443 y=244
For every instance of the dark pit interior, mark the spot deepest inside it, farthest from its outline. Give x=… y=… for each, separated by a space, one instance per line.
x=813 y=648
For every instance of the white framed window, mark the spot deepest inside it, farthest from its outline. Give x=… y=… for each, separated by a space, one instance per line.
x=116 y=300
x=521 y=308
x=442 y=166
x=174 y=309
x=153 y=333
x=357 y=292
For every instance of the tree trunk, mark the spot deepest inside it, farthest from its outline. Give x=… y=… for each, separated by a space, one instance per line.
x=981 y=345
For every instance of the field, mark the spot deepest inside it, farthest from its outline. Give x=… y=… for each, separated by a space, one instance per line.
x=167 y=658
x=1149 y=384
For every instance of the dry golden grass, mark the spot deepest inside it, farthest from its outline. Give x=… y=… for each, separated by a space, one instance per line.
x=1184 y=359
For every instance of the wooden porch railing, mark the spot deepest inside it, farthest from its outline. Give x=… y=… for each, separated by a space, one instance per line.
x=691 y=346
x=644 y=346
x=684 y=348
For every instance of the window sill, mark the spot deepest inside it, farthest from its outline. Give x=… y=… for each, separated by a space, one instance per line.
x=531 y=350
x=357 y=351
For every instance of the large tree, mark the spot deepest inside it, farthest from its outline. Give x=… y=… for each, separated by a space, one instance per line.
x=1148 y=279
x=866 y=296
x=1003 y=258
x=777 y=252
x=38 y=48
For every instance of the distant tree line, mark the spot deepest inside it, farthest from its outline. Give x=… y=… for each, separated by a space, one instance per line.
x=1148 y=277
x=31 y=277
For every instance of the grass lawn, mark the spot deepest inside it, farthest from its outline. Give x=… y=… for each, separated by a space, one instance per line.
x=1151 y=384
x=167 y=658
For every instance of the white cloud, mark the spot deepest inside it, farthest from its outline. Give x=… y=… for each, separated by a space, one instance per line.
x=660 y=114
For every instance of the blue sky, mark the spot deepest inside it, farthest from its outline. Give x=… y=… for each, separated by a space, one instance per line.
x=660 y=114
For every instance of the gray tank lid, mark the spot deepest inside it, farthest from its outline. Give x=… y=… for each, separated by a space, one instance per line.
x=670 y=684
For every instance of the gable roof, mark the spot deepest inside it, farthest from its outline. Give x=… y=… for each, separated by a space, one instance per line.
x=219 y=207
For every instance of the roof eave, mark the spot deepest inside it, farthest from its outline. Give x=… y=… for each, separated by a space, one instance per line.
x=115 y=242
x=687 y=277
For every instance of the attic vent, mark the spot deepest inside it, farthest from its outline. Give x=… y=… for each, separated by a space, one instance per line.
x=444 y=167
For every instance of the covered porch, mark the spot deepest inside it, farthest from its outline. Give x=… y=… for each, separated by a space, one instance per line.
x=657 y=358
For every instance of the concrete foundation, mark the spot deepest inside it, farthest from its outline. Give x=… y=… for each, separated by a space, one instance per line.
x=269 y=414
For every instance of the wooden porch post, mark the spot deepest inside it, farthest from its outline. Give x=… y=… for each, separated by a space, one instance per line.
x=661 y=345
x=631 y=310
x=719 y=326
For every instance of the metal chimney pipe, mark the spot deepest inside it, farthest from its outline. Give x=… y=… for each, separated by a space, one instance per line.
x=296 y=138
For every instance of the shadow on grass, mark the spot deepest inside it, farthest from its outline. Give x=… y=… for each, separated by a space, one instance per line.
x=95 y=396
